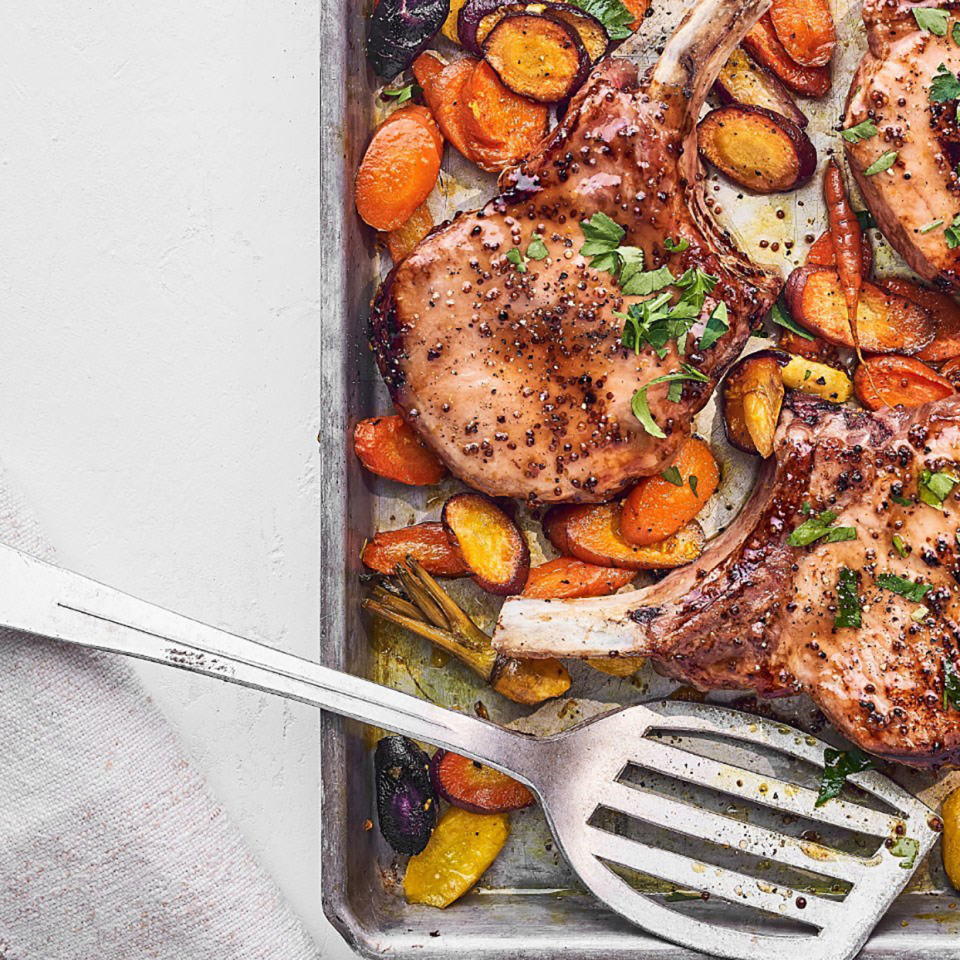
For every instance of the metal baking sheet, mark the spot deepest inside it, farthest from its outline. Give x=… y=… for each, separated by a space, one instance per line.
x=528 y=904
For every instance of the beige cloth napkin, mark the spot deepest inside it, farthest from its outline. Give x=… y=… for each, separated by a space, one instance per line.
x=111 y=847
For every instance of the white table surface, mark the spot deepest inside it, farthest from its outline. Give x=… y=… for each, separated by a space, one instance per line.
x=159 y=286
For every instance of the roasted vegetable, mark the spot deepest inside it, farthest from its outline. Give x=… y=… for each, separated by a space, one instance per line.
x=806 y=30
x=905 y=381
x=742 y=81
x=950 y=815
x=473 y=786
x=462 y=847
x=429 y=612
x=591 y=532
x=657 y=507
x=885 y=323
x=822 y=253
x=538 y=56
x=616 y=666
x=399 y=30
x=388 y=447
x=399 y=169
x=847 y=237
x=428 y=543
x=762 y=43
x=818 y=379
x=951 y=370
x=491 y=543
x=402 y=240
x=444 y=90
x=450 y=24
x=751 y=400
x=566 y=578
x=502 y=127
x=815 y=348
x=757 y=148
x=944 y=312
x=406 y=801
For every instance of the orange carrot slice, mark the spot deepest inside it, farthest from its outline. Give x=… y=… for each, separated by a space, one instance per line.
x=398 y=170
x=889 y=381
x=402 y=240
x=656 y=508
x=806 y=30
x=765 y=47
x=943 y=310
x=388 y=447
x=427 y=543
x=639 y=10
x=444 y=92
x=568 y=579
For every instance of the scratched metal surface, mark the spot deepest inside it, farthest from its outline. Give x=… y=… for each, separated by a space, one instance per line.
x=527 y=903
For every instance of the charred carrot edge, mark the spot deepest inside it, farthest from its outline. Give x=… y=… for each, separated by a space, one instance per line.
x=388 y=447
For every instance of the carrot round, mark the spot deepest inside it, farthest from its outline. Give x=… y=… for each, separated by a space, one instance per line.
x=443 y=89
x=951 y=371
x=806 y=30
x=402 y=240
x=889 y=381
x=398 y=170
x=822 y=253
x=428 y=543
x=388 y=447
x=569 y=579
x=639 y=10
x=657 y=508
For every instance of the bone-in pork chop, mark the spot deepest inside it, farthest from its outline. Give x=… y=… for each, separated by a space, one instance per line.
x=916 y=199
x=756 y=613
x=519 y=379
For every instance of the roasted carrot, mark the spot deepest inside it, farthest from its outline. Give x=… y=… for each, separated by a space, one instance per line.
x=398 y=170
x=415 y=111
x=503 y=127
x=943 y=310
x=444 y=92
x=889 y=381
x=762 y=43
x=806 y=30
x=402 y=240
x=388 y=447
x=639 y=10
x=657 y=507
x=951 y=371
x=568 y=579
x=815 y=349
x=428 y=543
x=823 y=253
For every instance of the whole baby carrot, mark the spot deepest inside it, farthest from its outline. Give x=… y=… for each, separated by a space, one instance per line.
x=847 y=243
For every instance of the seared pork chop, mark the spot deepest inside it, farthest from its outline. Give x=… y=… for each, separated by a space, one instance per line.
x=916 y=199
x=518 y=379
x=756 y=613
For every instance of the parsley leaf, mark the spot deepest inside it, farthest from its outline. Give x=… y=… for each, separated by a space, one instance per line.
x=945 y=86
x=641 y=409
x=934 y=488
x=819 y=528
x=951 y=685
x=934 y=21
x=899 y=545
x=904 y=587
x=537 y=249
x=838 y=765
x=903 y=501
x=955 y=33
x=602 y=237
x=864 y=130
x=631 y=265
x=672 y=475
x=516 y=258
x=697 y=283
x=905 y=847
x=676 y=246
x=403 y=94
x=693 y=481
x=613 y=14
x=648 y=322
x=952 y=233
x=884 y=162
x=848 y=600
x=647 y=282
x=781 y=316
x=716 y=326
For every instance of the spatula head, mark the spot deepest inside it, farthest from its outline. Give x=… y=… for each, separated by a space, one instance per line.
x=722 y=805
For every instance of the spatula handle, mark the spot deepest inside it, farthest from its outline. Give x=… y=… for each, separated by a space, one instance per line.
x=41 y=599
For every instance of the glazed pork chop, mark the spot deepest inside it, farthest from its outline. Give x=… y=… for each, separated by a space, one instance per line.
x=518 y=379
x=916 y=199
x=757 y=613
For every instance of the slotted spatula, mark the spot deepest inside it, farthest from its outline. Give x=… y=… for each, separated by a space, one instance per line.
x=575 y=774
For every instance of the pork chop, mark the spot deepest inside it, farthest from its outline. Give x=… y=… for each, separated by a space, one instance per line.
x=519 y=379
x=915 y=200
x=756 y=613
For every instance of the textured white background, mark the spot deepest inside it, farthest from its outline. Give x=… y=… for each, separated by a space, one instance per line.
x=159 y=178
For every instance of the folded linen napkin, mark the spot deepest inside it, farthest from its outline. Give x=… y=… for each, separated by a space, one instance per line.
x=111 y=847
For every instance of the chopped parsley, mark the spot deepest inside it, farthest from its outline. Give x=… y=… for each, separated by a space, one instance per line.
x=716 y=326
x=955 y=33
x=537 y=249
x=903 y=501
x=819 y=528
x=838 y=765
x=934 y=488
x=781 y=316
x=641 y=409
x=516 y=258
x=647 y=282
x=905 y=847
x=848 y=600
x=945 y=86
x=899 y=545
x=904 y=587
x=631 y=266
x=672 y=475
x=932 y=225
x=613 y=14
x=403 y=94
x=884 y=162
x=693 y=481
x=933 y=21
x=951 y=686
x=602 y=238
x=952 y=233
x=676 y=246
x=864 y=130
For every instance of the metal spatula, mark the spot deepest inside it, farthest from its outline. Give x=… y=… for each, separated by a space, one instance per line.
x=580 y=777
